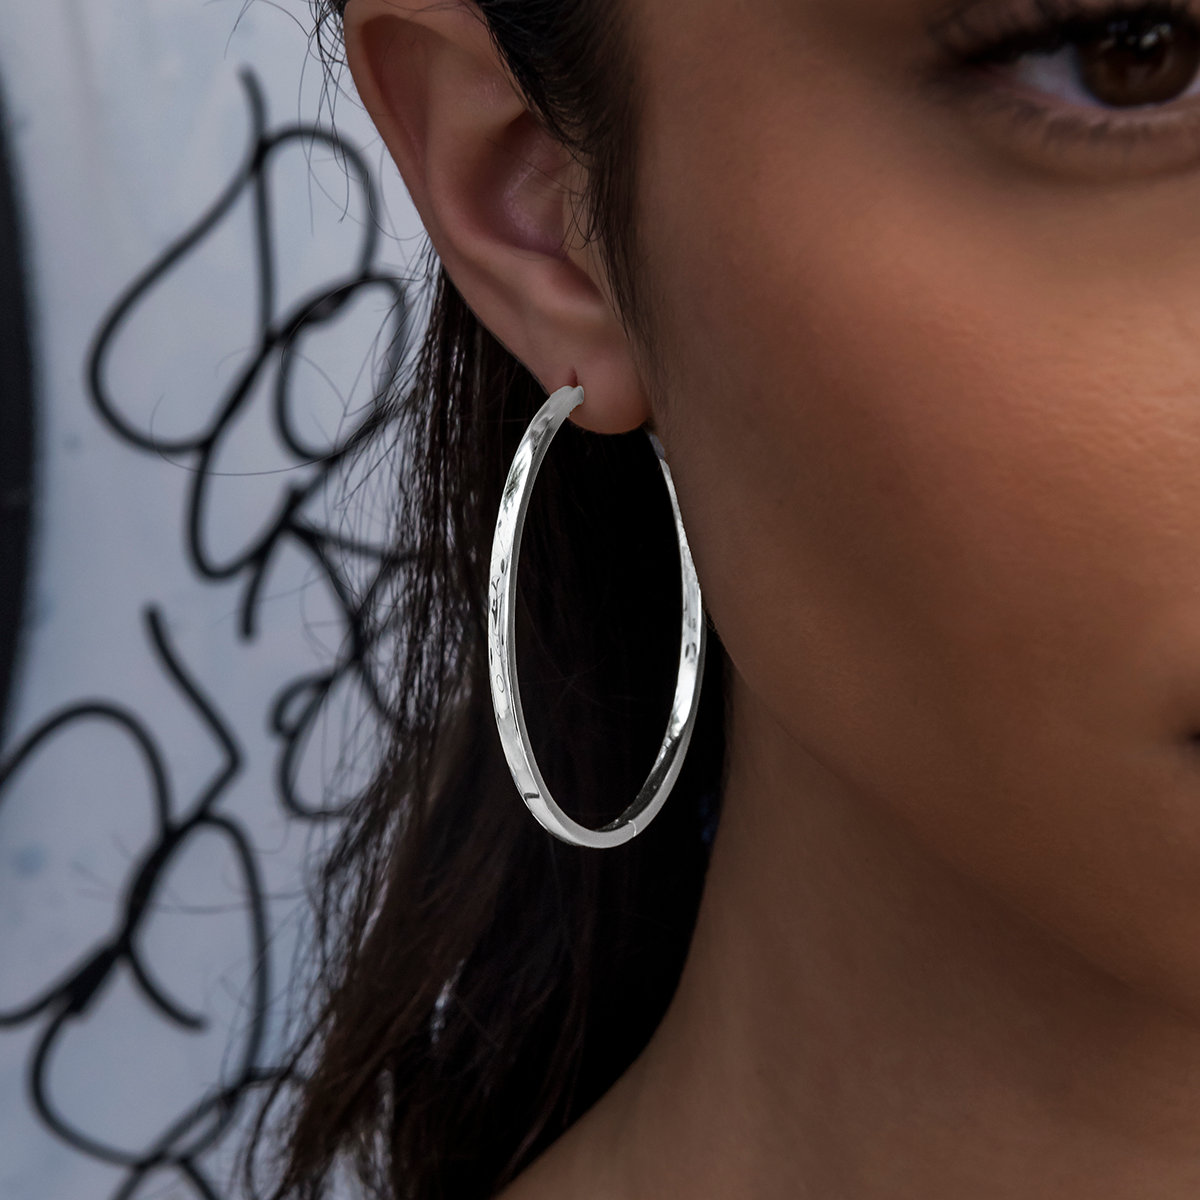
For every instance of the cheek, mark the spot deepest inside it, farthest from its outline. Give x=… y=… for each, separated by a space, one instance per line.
x=904 y=454
x=944 y=494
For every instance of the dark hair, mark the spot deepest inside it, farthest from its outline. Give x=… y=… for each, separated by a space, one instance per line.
x=482 y=985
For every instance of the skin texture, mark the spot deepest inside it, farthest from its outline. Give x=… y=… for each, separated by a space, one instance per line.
x=926 y=366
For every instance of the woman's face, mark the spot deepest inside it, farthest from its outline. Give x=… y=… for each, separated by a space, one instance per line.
x=927 y=322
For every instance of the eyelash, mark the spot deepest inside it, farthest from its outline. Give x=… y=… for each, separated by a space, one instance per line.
x=981 y=39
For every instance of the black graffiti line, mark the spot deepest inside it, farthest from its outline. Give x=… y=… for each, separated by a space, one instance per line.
x=283 y=340
x=296 y=706
x=72 y=997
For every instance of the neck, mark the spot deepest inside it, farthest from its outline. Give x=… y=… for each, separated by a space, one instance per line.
x=858 y=1021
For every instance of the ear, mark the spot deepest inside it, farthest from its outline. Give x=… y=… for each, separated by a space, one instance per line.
x=497 y=196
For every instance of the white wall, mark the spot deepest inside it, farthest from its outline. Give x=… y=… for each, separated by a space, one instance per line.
x=127 y=119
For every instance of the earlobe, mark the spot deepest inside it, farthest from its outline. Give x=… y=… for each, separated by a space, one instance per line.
x=497 y=195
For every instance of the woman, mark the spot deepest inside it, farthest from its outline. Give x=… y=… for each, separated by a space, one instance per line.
x=909 y=291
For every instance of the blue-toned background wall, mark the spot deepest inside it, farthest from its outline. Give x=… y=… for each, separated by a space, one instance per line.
x=216 y=288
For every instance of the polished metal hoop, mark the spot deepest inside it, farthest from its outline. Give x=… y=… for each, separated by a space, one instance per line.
x=502 y=658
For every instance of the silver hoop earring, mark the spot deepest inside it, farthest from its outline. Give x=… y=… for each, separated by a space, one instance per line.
x=502 y=658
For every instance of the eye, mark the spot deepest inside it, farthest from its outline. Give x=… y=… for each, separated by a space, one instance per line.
x=1137 y=62
x=1122 y=62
